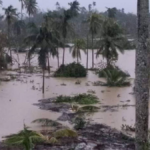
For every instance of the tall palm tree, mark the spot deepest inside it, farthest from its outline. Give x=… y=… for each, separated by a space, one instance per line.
x=110 y=41
x=22 y=7
x=31 y=7
x=10 y=16
x=64 y=22
x=52 y=22
x=94 y=21
x=142 y=75
x=64 y=28
x=75 y=50
x=25 y=138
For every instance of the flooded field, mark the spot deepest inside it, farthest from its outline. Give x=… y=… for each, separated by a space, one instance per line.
x=17 y=98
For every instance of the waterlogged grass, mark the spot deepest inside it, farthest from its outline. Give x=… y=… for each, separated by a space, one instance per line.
x=82 y=99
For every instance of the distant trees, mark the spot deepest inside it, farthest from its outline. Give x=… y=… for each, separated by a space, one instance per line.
x=67 y=25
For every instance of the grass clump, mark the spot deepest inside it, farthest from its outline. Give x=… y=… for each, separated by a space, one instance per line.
x=82 y=99
x=102 y=73
x=71 y=70
x=65 y=133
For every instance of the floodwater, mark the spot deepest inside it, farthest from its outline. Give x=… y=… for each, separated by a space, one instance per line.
x=17 y=98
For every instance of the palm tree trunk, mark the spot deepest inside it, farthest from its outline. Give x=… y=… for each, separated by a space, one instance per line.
x=87 y=61
x=58 y=57
x=108 y=62
x=29 y=57
x=9 y=48
x=21 y=11
x=142 y=76
x=77 y=58
x=43 y=90
x=48 y=64
x=92 y=52
x=63 y=61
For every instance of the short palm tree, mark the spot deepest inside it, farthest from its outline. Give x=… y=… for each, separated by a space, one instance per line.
x=95 y=24
x=26 y=138
x=10 y=16
x=31 y=7
x=110 y=42
x=75 y=50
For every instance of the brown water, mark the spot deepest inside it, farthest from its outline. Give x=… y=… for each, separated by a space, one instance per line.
x=16 y=98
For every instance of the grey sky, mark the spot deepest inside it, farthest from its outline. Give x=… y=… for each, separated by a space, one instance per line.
x=128 y=5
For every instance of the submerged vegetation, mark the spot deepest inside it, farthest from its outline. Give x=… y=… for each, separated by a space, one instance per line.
x=71 y=70
x=82 y=99
x=115 y=78
x=102 y=72
x=26 y=138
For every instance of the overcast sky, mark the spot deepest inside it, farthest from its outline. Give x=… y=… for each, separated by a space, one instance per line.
x=128 y=5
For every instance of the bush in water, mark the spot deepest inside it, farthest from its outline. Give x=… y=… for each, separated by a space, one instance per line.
x=71 y=70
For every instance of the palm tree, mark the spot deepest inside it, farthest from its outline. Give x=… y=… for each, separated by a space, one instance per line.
x=22 y=7
x=11 y=15
x=94 y=21
x=64 y=22
x=75 y=50
x=142 y=76
x=31 y=7
x=52 y=22
x=45 y=40
x=110 y=41
x=26 y=138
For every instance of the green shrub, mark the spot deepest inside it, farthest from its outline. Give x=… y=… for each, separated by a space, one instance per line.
x=71 y=70
x=116 y=78
x=102 y=73
x=82 y=99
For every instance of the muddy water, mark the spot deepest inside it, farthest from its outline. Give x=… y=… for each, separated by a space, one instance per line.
x=16 y=98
